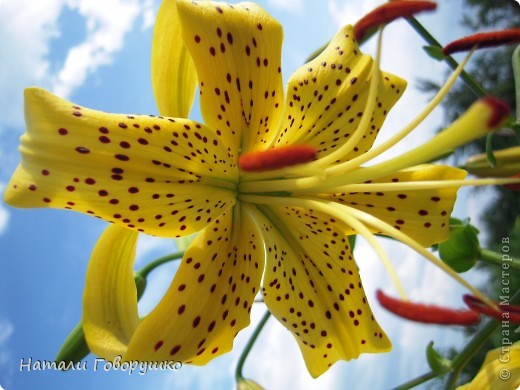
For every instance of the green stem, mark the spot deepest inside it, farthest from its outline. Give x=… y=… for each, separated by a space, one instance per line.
x=249 y=345
x=516 y=73
x=463 y=358
x=491 y=159
x=417 y=381
x=500 y=259
x=75 y=348
x=154 y=264
x=470 y=82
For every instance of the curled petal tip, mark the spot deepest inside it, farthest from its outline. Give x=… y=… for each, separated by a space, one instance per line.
x=482 y=40
x=504 y=312
x=428 y=314
x=500 y=110
x=277 y=158
x=387 y=13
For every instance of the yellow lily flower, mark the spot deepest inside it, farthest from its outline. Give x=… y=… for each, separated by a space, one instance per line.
x=500 y=370
x=289 y=224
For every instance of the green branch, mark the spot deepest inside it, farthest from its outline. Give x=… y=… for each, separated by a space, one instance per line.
x=249 y=345
x=470 y=82
x=500 y=259
x=417 y=381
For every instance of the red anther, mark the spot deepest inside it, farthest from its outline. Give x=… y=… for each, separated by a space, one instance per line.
x=427 y=314
x=500 y=110
x=280 y=157
x=387 y=13
x=515 y=186
x=481 y=40
x=507 y=312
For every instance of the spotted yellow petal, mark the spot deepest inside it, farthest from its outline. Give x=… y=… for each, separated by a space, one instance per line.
x=312 y=285
x=500 y=370
x=237 y=53
x=110 y=298
x=210 y=298
x=327 y=96
x=421 y=214
x=174 y=78
x=161 y=176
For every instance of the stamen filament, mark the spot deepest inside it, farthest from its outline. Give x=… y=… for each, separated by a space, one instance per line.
x=398 y=235
x=339 y=211
x=378 y=150
x=311 y=169
x=365 y=233
x=360 y=228
x=421 y=185
x=365 y=119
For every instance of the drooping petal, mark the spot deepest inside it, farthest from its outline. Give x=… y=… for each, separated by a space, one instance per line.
x=312 y=285
x=500 y=370
x=237 y=52
x=174 y=78
x=326 y=98
x=147 y=173
x=421 y=214
x=110 y=299
x=210 y=298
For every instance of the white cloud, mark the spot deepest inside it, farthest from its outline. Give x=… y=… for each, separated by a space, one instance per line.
x=348 y=12
x=295 y=6
x=148 y=14
x=105 y=37
x=26 y=29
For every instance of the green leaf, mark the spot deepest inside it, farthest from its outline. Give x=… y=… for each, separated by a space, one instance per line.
x=438 y=363
x=489 y=150
x=462 y=249
x=516 y=72
x=75 y=347
x=434 y=52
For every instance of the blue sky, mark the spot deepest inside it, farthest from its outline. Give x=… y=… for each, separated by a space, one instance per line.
x=96 y=53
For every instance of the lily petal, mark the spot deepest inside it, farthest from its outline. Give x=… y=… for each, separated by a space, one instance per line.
x=421 y=214
x=327 y=97
x=237 y=52
x=142 y=172
x=210 y=298
x=174 y=78
x=110 y=299
x=312 y=285
x=500 y=370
